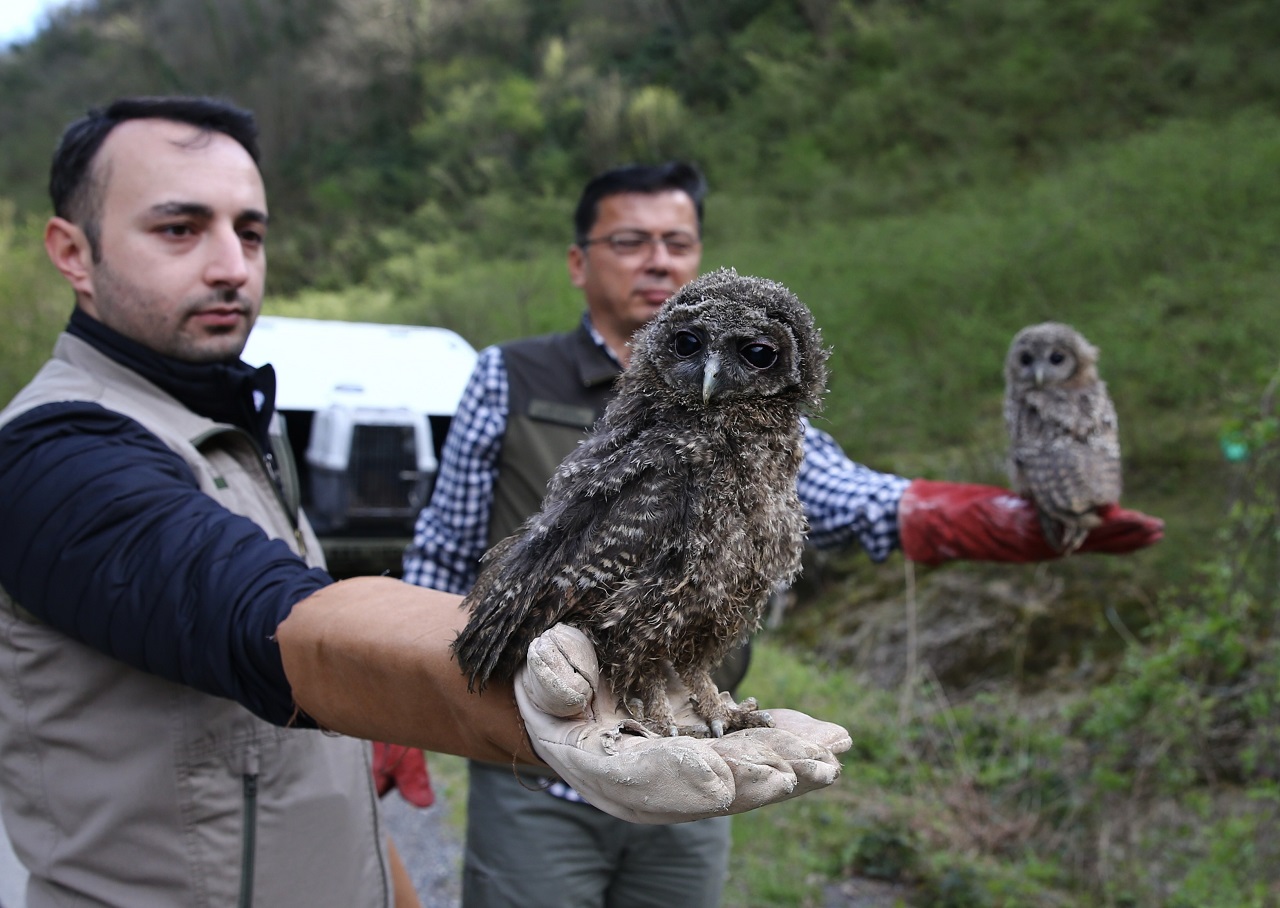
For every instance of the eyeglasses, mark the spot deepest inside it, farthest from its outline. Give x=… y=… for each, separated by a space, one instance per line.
x=628 y=243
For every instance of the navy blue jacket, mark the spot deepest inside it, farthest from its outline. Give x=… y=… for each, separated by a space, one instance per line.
x=106 y=536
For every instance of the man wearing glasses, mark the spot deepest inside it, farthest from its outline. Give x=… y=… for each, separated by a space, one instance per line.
x=533 y=841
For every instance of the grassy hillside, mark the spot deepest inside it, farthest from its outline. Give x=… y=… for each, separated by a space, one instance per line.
x=1159 y=247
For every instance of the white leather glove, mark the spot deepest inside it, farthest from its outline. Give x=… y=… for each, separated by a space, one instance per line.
x=573 y=721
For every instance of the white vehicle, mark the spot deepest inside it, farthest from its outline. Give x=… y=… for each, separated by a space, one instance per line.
x=366 y=407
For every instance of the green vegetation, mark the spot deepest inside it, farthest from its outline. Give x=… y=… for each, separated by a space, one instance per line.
x=929 y=177
x=1156 y=787
x=33 y=297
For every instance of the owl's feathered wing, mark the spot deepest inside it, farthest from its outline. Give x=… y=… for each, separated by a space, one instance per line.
x=606 y=528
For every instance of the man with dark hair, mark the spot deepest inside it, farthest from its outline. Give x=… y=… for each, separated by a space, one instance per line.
x=532 y=840
x=673 y=175
x=170 y=645
x=76 y=190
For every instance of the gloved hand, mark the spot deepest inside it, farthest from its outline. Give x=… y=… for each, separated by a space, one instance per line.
x=405 y=769
x=573 y=720
x=942 y=521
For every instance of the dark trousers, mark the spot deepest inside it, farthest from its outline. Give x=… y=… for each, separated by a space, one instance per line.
x=530 y=849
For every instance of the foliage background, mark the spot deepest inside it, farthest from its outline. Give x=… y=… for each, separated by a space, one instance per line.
x=929 y=177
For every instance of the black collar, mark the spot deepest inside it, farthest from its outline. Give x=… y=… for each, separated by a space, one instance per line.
x=230 y=392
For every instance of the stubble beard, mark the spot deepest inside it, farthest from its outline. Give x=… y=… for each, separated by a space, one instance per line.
x=146 y=318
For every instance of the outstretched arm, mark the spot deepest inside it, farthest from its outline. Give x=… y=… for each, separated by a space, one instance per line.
x=370 y=657
x=935 y=522
x=109 y=539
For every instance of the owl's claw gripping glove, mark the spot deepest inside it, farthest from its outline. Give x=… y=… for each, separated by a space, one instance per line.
x=945 y=521
x=575 y=725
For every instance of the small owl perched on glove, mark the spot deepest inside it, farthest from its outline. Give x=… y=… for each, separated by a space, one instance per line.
x=664 y=532
x=1064 y=444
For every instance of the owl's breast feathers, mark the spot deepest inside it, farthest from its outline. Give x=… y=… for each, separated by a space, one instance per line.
x=1074 y=417
x=1065 y=452
x=700 y=581
x=662 y=538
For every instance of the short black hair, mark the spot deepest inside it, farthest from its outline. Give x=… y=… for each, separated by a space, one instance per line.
x=642 y=178
x=73 y=190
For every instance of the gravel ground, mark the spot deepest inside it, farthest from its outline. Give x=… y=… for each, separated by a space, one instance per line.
x=431 y=850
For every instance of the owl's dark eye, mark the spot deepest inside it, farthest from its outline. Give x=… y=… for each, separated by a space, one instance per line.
x=686 y=344
x=1057 y=357
x=759 y=354
x=1026 y=358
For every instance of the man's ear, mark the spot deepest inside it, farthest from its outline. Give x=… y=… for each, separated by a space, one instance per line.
x=69 y=250
x=577 y=262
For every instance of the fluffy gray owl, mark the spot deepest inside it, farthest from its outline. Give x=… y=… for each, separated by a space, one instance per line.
x=662 y=535
x=1064 y=445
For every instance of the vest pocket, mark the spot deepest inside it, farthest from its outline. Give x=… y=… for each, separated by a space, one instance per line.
x=579 y=417
x=221 y=789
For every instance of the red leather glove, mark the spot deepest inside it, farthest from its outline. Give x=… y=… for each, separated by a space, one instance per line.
x=405 y=768
x=944 y=521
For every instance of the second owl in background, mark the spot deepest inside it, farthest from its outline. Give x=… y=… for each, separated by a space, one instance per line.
x=663 y=533
x=1064 y=443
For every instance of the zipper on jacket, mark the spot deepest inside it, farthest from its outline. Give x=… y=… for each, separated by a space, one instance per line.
x=249 y=839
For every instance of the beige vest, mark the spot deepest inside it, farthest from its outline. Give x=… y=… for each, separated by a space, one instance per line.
x=122 y=789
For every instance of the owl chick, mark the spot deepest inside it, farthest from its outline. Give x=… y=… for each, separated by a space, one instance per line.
x=1064 y=445
x=662 y=535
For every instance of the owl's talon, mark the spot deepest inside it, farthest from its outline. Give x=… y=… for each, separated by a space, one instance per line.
x=695 y=731
x=744 y=715
x=717 y=728
x=639 y=728
x=609 y=741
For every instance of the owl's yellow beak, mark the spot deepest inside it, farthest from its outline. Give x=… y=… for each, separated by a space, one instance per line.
x=1038 y=373
x=710 y=373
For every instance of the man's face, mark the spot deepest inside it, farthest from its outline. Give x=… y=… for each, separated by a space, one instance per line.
x=183 y=225
x=624 y=289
